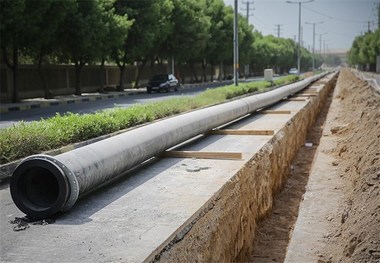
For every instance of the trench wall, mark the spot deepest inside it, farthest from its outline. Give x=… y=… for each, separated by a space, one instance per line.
x=223 y=230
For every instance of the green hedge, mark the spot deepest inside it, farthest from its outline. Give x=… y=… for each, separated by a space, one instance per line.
x=24 y=139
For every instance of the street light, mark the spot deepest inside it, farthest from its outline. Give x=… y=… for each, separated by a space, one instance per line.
x=299 y=30
x=236 y=45
x=316 y=23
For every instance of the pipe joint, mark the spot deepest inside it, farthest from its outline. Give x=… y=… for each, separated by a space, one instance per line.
x=41 y=186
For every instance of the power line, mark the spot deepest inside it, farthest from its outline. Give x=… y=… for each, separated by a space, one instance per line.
x=336 y=33
x=333 y=17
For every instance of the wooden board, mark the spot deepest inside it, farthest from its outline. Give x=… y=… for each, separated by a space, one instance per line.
x=306 y=95
x=241 y=132
x=312 y=93
x=297 y=99
x=275 y=112
x=203 y=155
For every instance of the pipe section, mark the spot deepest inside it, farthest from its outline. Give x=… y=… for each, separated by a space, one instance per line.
x=42 y=186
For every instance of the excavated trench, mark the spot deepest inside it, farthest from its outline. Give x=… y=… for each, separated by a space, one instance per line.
x=273 y=232
x=250 y=218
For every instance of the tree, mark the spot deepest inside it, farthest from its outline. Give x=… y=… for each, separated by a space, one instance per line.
x=150 y=28
x=81 y=36
x=190 y=32
x=246 y=38
x=13 y=31
x=114 y=35
x=47 y=12
x=365 y=49
x=220 y=36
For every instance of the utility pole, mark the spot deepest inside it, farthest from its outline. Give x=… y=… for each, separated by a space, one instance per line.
x=248 y=9
x=320 y=42
x=278 y=29
x=324 y=48
x=299 y=30
x=236 y=44
x=378 y=16
x=369 y=26
x=315 y=23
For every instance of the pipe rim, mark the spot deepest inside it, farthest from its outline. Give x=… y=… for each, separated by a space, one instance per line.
x=39 y=187
x=72 y=180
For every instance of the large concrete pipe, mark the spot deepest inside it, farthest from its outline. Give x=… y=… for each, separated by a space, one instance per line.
x=42 y=185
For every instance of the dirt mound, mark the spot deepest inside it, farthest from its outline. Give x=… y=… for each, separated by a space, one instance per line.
x=358 y=153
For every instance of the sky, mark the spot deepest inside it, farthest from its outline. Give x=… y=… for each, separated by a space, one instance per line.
x=343 y=20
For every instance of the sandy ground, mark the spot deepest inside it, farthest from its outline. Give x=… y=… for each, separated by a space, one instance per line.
x=357 y=238
x=348 y=212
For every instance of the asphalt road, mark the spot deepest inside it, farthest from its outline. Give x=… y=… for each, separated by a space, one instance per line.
x=10 y=118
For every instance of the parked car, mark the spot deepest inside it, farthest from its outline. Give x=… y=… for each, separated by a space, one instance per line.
x=163 y=82
x=293 y=71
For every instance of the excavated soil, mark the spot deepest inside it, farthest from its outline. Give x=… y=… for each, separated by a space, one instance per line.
x=357 y=239
x=356 y=234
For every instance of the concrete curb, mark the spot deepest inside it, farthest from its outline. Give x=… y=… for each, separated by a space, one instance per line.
x=29 y=104
x=370 y=78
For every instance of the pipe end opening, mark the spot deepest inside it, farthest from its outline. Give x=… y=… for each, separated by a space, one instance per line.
x=39 y=188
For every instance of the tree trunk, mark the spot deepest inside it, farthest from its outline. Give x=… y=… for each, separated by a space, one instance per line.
x=47 y=93
x=78 y=70
x=139 y=70
x=220 y=71
x=224 y=72
x=193 y=73
x=204 y=73
x=122 y=79
x=212 y=71
x=102 y=76
x=15 y=92
x=15 y=72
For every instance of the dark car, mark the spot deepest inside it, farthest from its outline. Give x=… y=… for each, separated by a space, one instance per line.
x=163 y=82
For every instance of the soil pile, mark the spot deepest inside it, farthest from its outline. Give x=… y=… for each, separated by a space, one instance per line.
x=358 y=154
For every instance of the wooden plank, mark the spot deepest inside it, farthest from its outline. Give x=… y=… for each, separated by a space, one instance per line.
x=307 y=92
x=203 y=155
x=296 y=99
x=241 y=132
x=275 y=112
x=306 y=95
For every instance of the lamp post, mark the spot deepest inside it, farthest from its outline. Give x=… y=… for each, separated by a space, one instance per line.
x=299 y=30
x=316 y=23
x=236 y=45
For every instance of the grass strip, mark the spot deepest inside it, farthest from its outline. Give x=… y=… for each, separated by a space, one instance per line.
x=24 y=139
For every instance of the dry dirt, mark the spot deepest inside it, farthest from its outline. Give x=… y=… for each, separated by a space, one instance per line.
x=356 y=237
x=358 y=153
